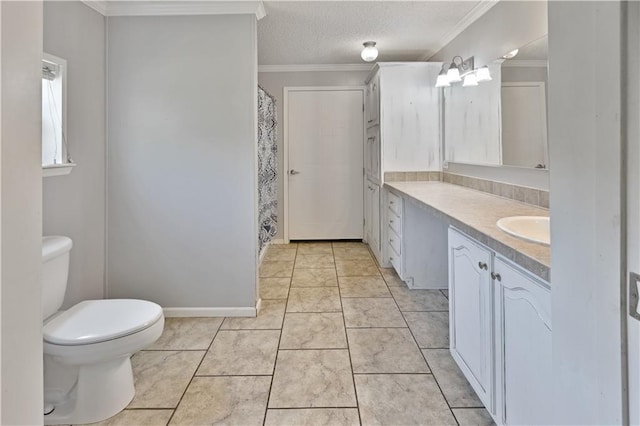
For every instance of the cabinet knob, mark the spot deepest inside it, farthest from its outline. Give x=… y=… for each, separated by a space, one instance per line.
x=391 y=202
x=391 y=258
x=482 y=265
x=390 y=240
x=495 y=276
x=390 y=220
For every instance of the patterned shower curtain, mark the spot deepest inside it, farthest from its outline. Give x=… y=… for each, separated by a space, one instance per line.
x=267 y=168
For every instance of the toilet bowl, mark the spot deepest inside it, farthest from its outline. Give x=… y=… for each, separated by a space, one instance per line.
x=87 y=348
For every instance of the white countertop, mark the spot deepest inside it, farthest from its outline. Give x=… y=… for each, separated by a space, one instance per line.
x=476 y=213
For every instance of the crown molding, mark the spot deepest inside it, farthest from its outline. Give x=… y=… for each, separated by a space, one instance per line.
x=531 y=63
x=478 y=10
x=181 y=7
x=99 y=6
x=315 y=67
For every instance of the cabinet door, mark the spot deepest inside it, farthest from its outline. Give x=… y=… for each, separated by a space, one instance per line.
x=374 y=105
x=367 y=211
x=470 y=313
x=375 y=219
x=523 y=321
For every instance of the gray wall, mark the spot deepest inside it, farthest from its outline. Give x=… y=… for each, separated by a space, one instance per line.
x=21 y=224
x=586 y=152
x=182 y=199
x=274 y=83
x=506 y=26
x=74 y=205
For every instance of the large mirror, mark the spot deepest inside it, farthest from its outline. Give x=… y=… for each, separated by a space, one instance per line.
x=502 y=122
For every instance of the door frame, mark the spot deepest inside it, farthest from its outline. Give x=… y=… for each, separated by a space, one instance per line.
x=285 y=146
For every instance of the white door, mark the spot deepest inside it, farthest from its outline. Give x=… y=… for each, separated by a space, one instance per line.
x=325 y=177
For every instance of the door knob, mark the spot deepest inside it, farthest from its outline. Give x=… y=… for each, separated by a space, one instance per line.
x=293 y=172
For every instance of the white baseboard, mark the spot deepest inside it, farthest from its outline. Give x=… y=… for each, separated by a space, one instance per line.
x=210 y=312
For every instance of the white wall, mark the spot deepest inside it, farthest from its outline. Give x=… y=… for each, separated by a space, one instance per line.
x=21 y=223
x=585 y=147
x=182 y=199
x=506 y=26
x=74 y=205
x=274 y=82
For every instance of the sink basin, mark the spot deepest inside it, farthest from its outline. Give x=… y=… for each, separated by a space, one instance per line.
x=530 y=228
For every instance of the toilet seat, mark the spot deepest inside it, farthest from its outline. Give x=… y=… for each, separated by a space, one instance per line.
x=96 y=321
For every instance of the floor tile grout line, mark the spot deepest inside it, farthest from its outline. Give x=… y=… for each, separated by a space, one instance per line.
x=195 y=372
x=275 y=363
x=425 y=360
x=346 y=337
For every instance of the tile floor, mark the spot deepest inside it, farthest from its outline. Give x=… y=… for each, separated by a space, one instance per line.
x=338 y=341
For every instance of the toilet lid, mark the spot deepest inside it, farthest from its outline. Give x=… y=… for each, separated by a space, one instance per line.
x=94 y=321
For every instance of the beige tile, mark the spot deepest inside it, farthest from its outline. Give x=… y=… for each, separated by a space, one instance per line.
x=313 y=417
x=290 y=246
x=454 y=385
x=314 y=299
x=391 y=278
x=473 y=417
x=314 y=278
x=363 y=287
x=138 y=417
x=419 y=300
x=544 y=199
x=274 y=288
x=384 y=350
x=162 y=376
x=315 y=248
x=187 y=333
x=348 y=244
x=314 y=261
x=355 y=268
x=371 y=312
x=360 y=252
x=431 y=329
x=277 y=254
x=241 y=353
x=313 y=331
x=401 y=399
x=276 y=269
x=312 y=378
x=269 y=318
x=224 y=401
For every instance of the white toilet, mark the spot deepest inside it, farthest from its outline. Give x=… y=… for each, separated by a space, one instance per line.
x=87 y=348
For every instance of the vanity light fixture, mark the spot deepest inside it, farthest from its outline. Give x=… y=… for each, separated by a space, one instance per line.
x=443 y=80
x=453 y=74
x=483 y=74
x=470 y=80
x=370 y=51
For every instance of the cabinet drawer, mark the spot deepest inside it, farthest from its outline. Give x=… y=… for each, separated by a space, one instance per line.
x=395 y=203
x=395 y=222
x=395 y=241
x=394 y=258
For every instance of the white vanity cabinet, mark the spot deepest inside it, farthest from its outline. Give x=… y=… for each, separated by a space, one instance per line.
x=372 y=170
x=372 y=216
x=394 y=232
x=523 y=328
x=372 y=95
x=500 y=332
x=470 y=312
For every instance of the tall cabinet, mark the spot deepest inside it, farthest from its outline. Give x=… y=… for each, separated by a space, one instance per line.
x=403 y=116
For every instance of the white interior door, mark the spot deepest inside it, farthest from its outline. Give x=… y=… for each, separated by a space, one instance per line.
x=325 y=179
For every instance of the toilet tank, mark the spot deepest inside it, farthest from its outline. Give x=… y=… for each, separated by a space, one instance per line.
x=55 y=271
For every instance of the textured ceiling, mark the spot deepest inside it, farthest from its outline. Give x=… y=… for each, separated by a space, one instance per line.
x=332 y=32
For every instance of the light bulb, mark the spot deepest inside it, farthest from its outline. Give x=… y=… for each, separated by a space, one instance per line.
x=453 y=74
x=470 y=80
x=370 y=52
x=511 y=54
x=442 y=80
x=483 y=74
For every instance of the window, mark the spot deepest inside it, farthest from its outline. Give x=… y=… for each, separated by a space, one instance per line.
x=55 y=156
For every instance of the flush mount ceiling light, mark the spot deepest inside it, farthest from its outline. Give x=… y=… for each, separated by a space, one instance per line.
x=511 y=54
x=370 y=52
